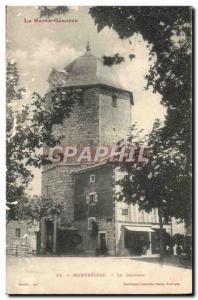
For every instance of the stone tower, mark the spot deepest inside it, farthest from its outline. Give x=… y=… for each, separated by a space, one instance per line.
x=102 y=118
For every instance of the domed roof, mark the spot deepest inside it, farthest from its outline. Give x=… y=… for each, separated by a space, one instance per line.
x=85 y=70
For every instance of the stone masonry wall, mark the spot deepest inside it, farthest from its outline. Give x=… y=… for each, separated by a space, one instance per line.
x=82 y=127
x=57 y=183
x=90 y=244
x=104 y=209
x=103 y=188
x=114 y=122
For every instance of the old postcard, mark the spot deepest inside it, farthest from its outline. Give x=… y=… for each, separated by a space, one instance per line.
x=99 y=156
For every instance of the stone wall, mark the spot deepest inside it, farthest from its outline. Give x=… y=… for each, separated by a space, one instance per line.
x=103 y=210
x=57 y=183
x=27 y=231
x=82 y=126
x=11 y=237
x=114 y=122
x=90 y=244
x=102 y=186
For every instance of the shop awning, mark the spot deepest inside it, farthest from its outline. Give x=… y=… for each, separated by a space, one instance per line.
x=139 y=228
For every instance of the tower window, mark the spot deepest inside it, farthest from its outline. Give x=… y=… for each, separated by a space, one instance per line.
x=91 y=220
x=125 y=211
x=131 y=99
x=18 y=232
x=92 y=198
x=114 y=101
x=92 y=178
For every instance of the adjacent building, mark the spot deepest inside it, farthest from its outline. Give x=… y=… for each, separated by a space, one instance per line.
x=22 y=237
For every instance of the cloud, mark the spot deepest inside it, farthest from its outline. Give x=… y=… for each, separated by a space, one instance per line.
x=35 y=65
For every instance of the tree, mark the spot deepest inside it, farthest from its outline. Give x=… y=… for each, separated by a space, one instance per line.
x=50 y=11
x=159 y=183
x=29 y=129
x=17 y=175
x=38 y=207
x=46 y=112
x=168 y=33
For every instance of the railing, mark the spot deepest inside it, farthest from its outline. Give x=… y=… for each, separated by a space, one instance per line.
x=20 y=250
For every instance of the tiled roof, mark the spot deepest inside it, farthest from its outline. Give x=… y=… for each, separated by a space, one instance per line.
x=85 y=70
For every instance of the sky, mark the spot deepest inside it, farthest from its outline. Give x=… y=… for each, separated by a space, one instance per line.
x=38 y=47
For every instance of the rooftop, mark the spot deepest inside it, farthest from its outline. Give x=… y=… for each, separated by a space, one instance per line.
x=83 y=71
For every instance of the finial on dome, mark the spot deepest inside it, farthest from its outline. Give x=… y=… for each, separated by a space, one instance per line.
x=88 y=47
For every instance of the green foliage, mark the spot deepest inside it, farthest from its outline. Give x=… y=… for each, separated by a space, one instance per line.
x=13 y=90
x=161 y=183
x=29 y=129
x=131 y=56
x=47 y=111
x=50 y=110
x=168 y=31
x=50 y=11
x=37 y=208
x=17 y=175
x=179 y=239
x=112 y=60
